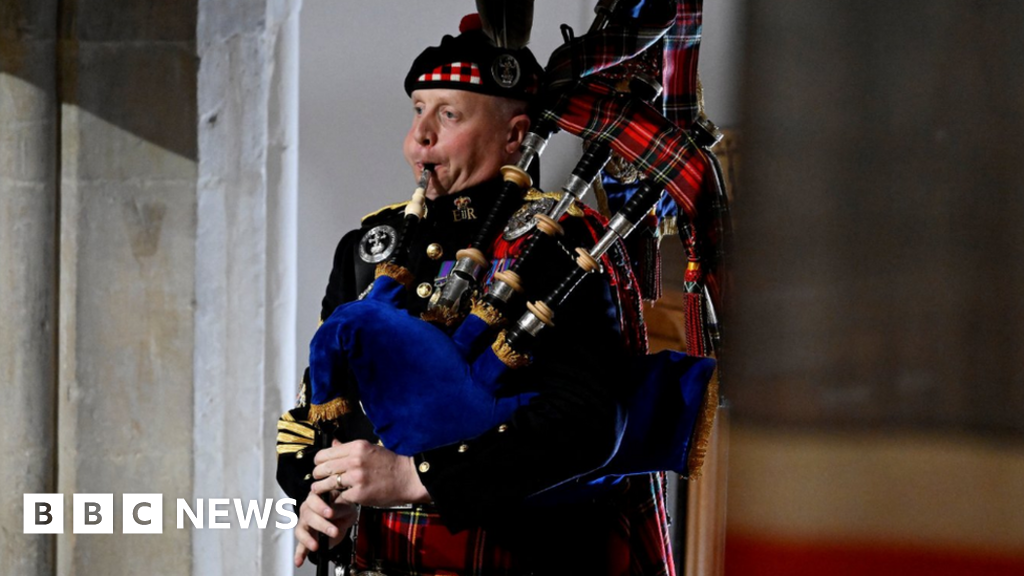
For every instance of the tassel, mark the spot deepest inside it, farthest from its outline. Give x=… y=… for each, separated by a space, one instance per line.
x=694 y=312
x=649 y=268
x=644 y=249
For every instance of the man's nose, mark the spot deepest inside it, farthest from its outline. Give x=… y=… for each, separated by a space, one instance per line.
x=424 y=133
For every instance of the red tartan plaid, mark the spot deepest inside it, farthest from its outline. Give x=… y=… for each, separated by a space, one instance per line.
x=679 y=63
x=664 y=152
x=454 y=72
x=600 y=50
x=657 y=144
x=415 y=542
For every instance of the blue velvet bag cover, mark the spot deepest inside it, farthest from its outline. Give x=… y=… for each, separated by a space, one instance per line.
x=423 y=388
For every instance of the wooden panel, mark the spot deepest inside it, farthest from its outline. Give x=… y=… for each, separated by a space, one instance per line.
x=751 y=556
x=880 y=233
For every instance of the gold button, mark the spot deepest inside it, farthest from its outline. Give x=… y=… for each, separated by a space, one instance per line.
x=434 y=251
x=308 y=477
x=463 y=448
x=299 y=454
x=425 y=290
x=503 y=427
x=424 y=466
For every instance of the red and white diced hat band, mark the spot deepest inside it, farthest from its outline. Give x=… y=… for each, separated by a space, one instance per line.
x=455 y=72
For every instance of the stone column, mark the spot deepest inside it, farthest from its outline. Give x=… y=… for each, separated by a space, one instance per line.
x=28 y=274
x=282 y=259
x=177 y=236
x=127 y=271
x=245 y=259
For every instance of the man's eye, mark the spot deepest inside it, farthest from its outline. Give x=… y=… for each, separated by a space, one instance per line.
x=417 y=110
x=449 y=115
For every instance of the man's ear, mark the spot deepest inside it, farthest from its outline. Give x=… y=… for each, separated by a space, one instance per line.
x=518 y=126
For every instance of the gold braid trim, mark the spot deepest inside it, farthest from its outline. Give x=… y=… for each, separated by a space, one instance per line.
x=286 y=438
x=442 y=315
x=388 y=207
x=330 y=411
x=507 y=355
x=305 y=430
x=533 y=194
x=487 y=313
x=399 y=273
x=702 y=431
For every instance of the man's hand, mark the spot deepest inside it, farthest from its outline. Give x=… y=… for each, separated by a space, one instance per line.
x=368 y=474
x=316 y=516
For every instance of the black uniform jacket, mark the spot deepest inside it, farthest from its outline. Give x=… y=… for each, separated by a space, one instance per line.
x=567 y=430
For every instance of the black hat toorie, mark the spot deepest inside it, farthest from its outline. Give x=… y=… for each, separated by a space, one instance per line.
x=471 y=62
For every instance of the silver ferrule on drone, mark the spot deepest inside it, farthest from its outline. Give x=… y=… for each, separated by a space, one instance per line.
x=530 y=323
x=467 y=268
x=619 y=227
x=575 y=188
x=532 y=146
x=501 y=291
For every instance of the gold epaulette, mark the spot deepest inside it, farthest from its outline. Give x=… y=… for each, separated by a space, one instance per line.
x=394 y=206
x=533 y=194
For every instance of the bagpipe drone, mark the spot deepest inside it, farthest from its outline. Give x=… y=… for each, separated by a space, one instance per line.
x=418 y=401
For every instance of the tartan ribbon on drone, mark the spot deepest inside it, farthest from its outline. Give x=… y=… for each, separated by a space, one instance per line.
x=641 y=135
x=621 y=40
x=657 y=143
x=679 y=63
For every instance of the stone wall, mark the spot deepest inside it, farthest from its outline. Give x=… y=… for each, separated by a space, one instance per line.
x=147 y=231
x=28 y=274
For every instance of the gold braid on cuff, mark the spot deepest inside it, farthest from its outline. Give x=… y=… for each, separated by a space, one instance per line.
x=399 y=273
x=507 y=355
x=487 y=313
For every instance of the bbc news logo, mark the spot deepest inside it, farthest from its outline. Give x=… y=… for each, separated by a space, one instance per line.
x=143 y=513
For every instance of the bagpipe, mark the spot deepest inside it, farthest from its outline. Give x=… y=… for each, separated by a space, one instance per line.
x=599 y=87
x=406 y=393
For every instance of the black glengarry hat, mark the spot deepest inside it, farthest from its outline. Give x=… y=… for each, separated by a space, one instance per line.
x=471 y=62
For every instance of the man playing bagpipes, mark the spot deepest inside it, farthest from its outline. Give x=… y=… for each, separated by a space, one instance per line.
x=536 y=491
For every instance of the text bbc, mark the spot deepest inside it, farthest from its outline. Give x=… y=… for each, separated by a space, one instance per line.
x=143 y=513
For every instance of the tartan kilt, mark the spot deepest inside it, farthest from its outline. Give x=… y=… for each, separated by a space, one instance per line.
x=633 y=541
x=415 y=543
